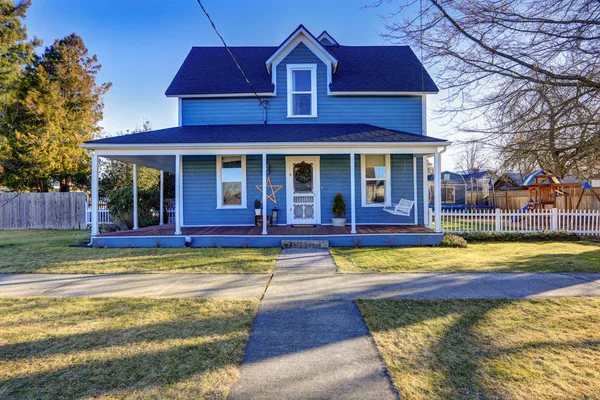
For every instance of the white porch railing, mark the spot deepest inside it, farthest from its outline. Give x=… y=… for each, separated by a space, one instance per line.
x=104 y=215
x=582 y=222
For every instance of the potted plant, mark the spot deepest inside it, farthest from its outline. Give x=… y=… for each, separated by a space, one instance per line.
x=257 y=207
x=339 y=210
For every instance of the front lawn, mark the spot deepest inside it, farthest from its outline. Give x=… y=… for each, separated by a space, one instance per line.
x=489 y=349
x=121 y=348
x=477 y=257
x=51 y=251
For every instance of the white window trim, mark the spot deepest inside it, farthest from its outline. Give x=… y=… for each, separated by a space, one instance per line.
x=313 y=89
x=363 y=186
x=220 y=204
x=453 y=194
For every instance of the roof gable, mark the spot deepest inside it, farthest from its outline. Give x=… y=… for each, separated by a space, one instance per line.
x=327 y=40
x=301 y=35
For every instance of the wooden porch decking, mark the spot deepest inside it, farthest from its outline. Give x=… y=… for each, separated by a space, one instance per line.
x=319 y=230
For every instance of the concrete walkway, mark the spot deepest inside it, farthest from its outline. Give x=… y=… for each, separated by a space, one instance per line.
x=227 y=286
x=291 y=284
x=310 y=349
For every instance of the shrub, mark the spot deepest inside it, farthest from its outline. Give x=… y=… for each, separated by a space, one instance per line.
x=451 y=240
x=120 y=204
x=339 y=206
x=519 y=236
x=257 y=204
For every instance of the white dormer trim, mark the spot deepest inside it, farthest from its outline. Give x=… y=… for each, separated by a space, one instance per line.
x=327 y=36
x=301 y=35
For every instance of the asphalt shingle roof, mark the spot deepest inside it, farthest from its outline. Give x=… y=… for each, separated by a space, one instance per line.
x=210 y=70
x=276 y=133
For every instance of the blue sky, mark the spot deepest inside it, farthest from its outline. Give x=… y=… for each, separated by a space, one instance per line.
x=142 y=43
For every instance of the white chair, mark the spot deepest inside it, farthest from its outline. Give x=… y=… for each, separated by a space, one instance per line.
x=402 y=208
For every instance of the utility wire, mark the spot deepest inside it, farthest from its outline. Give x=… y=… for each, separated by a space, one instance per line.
x=261 y=101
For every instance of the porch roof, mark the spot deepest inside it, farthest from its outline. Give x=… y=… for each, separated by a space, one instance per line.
x=275 y=133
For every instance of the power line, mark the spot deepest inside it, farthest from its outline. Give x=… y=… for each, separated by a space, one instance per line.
x=261 y=101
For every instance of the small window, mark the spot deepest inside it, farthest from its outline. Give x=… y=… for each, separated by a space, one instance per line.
x=375 y=171
x=231 y=181
x=302 y=90
x=448 y=194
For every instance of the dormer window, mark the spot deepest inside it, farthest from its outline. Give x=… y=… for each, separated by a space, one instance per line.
x=302 y=90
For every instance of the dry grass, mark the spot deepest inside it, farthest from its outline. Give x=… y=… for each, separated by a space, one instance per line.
x=121 y=348
x=52 y=251
x=477 y=257
x=489 y=349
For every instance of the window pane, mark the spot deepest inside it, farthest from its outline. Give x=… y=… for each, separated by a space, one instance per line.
x=375 y=166
x=302 y=104
x=302 y=80
x=375 y=191
x=232 y=168
x=232 y=193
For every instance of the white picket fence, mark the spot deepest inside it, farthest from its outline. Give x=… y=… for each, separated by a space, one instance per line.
x=583 y=222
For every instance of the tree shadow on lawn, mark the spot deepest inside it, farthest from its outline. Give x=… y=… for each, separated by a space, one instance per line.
x=119 y=361
x=588 y=261
x=455 y=358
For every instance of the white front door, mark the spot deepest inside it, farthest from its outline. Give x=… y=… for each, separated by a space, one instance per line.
x=303 y=190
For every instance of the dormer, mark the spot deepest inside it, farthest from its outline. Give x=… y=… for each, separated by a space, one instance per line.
x=301 y=35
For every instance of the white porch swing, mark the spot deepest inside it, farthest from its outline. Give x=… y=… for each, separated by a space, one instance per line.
x=403 y=208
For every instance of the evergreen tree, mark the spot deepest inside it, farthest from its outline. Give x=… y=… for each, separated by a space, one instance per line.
x=16 y=51
x=60 y=107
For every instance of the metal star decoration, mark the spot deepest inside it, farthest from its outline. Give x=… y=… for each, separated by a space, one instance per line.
x=274 y=190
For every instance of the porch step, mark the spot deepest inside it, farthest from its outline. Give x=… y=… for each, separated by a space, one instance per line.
x=305 y=244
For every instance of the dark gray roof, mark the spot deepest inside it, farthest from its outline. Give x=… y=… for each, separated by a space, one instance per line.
x=210 y=70
x=277 y=133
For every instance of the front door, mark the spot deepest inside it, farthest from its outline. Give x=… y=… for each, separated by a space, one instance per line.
x=303 y=190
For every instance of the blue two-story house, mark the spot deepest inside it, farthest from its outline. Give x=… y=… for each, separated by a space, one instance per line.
x=306 y=120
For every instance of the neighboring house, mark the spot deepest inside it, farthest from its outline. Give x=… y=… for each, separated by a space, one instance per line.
x=508 y=181
x=333 y=118
x=479 y=186
x=454 y=189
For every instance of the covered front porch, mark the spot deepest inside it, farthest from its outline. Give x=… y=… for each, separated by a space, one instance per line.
x=219 y=178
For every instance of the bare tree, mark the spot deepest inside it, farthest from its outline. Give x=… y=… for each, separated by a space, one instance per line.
x=472 y=158
x=523 y=75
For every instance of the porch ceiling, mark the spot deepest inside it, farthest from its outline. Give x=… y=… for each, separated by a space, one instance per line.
x=160 y=162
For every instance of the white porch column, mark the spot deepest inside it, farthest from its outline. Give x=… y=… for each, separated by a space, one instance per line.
x=264 y=193
x=415 y=196
x=437 y=192
x=178 y=194
x=94 y=194
x=352 y=193
x=425 y=194
x=162 y=198
x=135 y=198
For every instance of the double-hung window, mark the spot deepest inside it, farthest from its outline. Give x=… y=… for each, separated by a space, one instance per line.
x=375 y=177
x=302 y=90
x=231 y=181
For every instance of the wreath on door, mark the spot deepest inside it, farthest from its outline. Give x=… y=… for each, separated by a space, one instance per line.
x=303 y=172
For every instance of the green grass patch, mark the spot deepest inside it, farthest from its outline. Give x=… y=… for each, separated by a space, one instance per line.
x=489 y=349
x=477 y=257
x=121 y=348
x=51 y=251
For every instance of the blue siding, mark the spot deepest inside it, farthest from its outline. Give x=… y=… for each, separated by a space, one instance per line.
x=401 y=113
x=200 y=197
x=200 y=180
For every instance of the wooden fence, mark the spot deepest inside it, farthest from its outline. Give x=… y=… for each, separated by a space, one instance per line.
x=42 y=210
x=517 y=199
x=583 y=222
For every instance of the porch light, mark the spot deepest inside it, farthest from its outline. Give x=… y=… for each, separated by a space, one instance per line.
x=274 y=217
